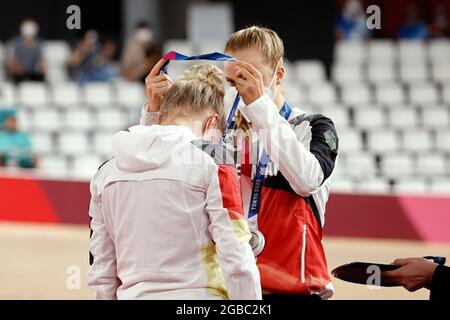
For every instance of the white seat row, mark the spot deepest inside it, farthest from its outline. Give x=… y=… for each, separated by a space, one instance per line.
x=83 y=166
x=35 y=94
x=81 y=119
x=386 y=50
x=72 y=143
x=407 y=186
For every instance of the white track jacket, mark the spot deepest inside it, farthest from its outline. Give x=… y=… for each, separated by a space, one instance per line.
x=167 y=221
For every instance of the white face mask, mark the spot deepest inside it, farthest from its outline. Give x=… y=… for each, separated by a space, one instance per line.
x=268 y=89
x=29 y=29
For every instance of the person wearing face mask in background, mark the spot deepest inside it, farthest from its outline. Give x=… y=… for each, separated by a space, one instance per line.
x=24 y=54
x=166 y=214
x=288 y=213
x=141 y=53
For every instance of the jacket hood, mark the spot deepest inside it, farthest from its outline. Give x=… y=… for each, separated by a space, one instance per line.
x=145 y=148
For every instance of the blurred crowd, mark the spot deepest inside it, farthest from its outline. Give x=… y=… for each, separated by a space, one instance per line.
x=91 y=59
x=351 y=23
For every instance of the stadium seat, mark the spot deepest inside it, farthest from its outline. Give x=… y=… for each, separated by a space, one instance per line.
x=339 y=115
x=412 y=51
x=397 y=165
x=71 y=143
x=443 y=140
x=130 y=94
x=322 y=93
x=380 y=73
x=373 y=185
x=310 y=71
x=98 y=95
x=42 y=143
x=437 y=117
x=347 y=74
x=8 y=94
x=403 y=117
x=47 y=120
x=389 y=93
x=356 y=94
x=102 y=143
x=439 y=50
x=350 y=141
x=411 y=71
x=33 y=94
x=57 y=74
x=417 y=140
x=383 y=141
x=56 y=52
x=24 y=119
x=53 y=165
x=79 y=119
x=370 y=117
x=85 y=166
x=411 y=186
x=440 y=186
x=296 y=94
x=342 y=186
x=66 y=94
x=351 y=52
x=431 y=164
x=422 y=93
x=440 y=71
x=361 y=165
x=446 y=93
x=112 y=119
x=382 y=51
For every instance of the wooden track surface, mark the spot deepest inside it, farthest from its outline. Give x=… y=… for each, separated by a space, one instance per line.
x=34 y=261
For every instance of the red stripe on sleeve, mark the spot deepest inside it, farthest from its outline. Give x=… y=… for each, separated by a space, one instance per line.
x=231 y=192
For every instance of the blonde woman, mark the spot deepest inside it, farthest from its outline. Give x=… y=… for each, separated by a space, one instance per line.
x=286 y=189
x=165 y=226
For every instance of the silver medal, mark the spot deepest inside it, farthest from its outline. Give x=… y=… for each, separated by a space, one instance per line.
x=257 y=242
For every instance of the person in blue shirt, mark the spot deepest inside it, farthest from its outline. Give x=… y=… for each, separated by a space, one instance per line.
x=413 y=28
x=15 y=146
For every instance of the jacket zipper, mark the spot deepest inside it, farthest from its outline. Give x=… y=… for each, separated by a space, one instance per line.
x=302 y=268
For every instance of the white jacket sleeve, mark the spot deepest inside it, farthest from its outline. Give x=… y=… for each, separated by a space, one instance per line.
x=148 y=118
x=102 y=275
x=304 y=168
x=230 y=232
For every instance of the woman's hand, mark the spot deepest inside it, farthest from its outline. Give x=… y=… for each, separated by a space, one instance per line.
x=156 y=85
x=249 y=82
x=414 y=273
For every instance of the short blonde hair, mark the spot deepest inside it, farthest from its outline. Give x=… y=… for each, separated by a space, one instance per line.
x=267 y=42
x=200 y=88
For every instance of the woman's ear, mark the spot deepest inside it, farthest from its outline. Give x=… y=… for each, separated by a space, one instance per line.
x=280 y=75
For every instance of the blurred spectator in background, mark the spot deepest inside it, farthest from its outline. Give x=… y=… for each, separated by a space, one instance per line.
x=24 y=54
x=352 y=23
x=413 y=27
x=439 y=27
x=15 y=146
x=90 y=60
x=141 y=53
